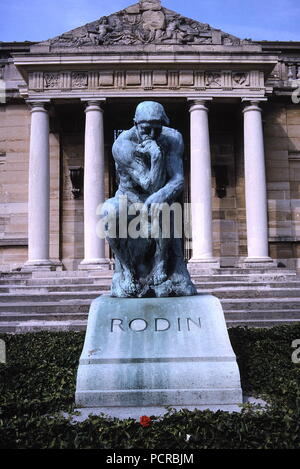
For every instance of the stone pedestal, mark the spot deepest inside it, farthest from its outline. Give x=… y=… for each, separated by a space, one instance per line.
x=156 y=352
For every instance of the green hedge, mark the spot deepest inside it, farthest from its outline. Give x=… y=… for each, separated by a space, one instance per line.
x=38 y=382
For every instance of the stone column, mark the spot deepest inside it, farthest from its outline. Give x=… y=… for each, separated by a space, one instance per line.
x=201 y=189
x=94 y=247
x=39 y=190
x=255 y=188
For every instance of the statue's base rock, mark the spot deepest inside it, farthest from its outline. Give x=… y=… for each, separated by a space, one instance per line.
x=156 y=352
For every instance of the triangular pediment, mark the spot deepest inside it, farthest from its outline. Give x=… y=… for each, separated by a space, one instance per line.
x=146 y=22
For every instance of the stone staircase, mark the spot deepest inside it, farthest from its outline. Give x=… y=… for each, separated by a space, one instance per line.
x=60 y=300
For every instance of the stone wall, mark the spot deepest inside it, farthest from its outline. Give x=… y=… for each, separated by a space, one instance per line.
x=223 y=135
x=14 y=161
x=282 y=145
x=293 y=130
x=72 y=209
x=14 y=150
x=54 y=142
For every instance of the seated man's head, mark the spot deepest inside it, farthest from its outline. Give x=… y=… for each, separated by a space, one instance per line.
x=149 y=119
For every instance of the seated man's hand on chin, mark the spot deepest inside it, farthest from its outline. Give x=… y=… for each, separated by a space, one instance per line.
x=151 y=147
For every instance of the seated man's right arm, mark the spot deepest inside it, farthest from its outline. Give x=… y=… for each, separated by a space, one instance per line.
x=124 y=155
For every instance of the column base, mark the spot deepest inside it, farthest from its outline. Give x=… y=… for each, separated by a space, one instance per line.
x=42 y=265
x=257 y=263
x=94 y=264
x=199 y=265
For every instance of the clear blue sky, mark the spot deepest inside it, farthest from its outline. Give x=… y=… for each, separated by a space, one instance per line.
x=37 y=20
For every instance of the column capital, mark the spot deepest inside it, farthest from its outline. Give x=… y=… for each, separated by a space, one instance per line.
x=199 y=104
x=39 y=105
x=199 y=99
x=253 y=104
x=93 y=104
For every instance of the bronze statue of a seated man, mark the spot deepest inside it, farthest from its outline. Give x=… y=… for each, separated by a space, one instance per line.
x=148 y=159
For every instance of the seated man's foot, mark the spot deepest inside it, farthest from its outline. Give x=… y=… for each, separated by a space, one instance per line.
x=130 y=285
x=159 y=275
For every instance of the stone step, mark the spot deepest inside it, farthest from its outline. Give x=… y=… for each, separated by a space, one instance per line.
x=10 y=275
x=48 y=274
x=44 y=297
x=61 y=301
x=238 y=315
x=219 y=281
x=37 y=326
x=246 y=304
x=105 y=285
x=228 y=299
x=266 y=314
x=34 y=325
x=109 y=272
x=68 y=306
x=223 y=274
x=73 y=274
x=7 y=281
x=62 y=281
x=34 y=316
x=241 y=271
x=251 y=278
x=259 y=323
x=45 y=289
x=56 y=282
x=61 y=293
x=247 y=284
x=208 y=282
x=99 y=273
x=52 y=281
x=273 y=294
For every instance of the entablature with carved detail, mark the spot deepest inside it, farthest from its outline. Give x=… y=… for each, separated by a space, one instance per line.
x=112 y=81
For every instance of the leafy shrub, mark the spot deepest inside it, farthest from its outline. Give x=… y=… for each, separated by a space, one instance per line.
x=38 y=383
x=266 y=367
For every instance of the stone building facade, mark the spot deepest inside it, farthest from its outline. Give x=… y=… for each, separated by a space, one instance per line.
x=235 y=102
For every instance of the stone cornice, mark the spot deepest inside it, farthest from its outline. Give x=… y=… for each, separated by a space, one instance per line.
x=256 y=95
x=150 y=53
x=203 y=60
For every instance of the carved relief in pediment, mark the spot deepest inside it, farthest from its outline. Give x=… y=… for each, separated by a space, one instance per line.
x=143 y=23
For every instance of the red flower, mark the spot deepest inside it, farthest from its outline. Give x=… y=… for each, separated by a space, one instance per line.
x=145 y=421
